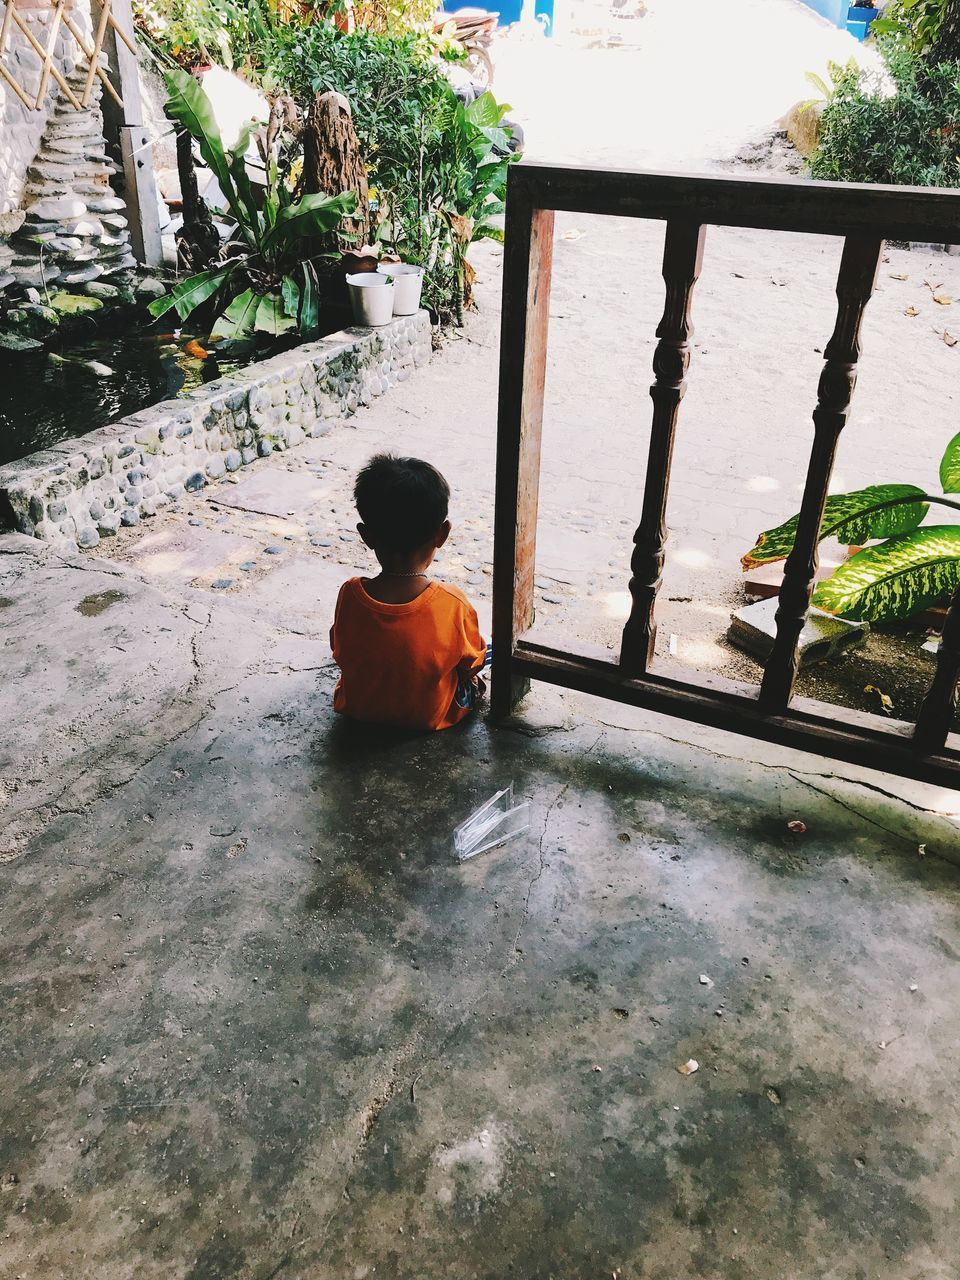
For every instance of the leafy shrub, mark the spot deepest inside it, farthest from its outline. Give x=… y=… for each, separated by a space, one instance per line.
x=910 y=135
x=267 y=280
x=438 y=169
x=915 y=23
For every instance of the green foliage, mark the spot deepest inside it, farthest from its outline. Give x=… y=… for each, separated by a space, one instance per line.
x=267 y=280
x=895 y=579
x=879 y=511
x=909 y=134
x=437 y=169
x=915 y=23
x=950 y=466
x=913 y=567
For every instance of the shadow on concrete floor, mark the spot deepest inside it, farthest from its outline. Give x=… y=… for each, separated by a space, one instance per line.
x=258 y=1023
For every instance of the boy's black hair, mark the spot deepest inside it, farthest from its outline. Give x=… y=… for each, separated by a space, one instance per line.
x=402 y=501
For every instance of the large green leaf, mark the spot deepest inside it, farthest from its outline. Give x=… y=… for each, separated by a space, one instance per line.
x=247 y=212
x=290 y=292
x=187 y=295
x=309 y=304
x=189 y=105
x=950 y=466
x=314 y=215
x=270 y=316
x=237 y=321
x=879 y=511
x=484 y=112
x=897 y=578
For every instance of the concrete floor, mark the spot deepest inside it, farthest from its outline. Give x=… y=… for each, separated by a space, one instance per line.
x=256 y=1021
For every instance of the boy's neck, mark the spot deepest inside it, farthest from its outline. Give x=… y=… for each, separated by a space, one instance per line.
x=400 y=586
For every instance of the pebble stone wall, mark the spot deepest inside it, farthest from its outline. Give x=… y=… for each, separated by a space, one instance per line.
x=83 y=490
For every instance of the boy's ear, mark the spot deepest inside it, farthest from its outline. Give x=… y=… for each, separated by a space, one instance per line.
x=362 y=530
x=444 y=533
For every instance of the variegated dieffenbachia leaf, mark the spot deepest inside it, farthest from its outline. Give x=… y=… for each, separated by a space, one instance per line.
x=879 y=511
x=950 y=466
x=896 y=579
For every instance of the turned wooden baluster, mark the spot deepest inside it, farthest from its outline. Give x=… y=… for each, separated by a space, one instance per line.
x=940 y=705
x=682 y=260
x=858 y=273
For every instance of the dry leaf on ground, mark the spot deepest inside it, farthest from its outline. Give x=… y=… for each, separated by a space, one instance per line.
x=949 y=339
x=886 y=702
x=944 y=299
x=911 y=311
x=897 y=275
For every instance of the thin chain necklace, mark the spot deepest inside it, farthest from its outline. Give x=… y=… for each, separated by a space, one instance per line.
x=386 y=573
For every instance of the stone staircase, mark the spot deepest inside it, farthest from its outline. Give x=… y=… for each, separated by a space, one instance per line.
x=75 y=230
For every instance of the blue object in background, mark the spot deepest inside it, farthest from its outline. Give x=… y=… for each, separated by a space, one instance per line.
x=544 y=12
x=834 y=11
x=860 y=20
x=509 y=11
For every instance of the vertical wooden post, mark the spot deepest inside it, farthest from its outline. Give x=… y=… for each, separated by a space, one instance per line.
x=855 y=283
x=682 y=260
x=939 y=707
x=527 y=266
x=124 y=127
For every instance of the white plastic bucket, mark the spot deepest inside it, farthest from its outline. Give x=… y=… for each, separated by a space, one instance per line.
x=408 y=281
x=371 y=297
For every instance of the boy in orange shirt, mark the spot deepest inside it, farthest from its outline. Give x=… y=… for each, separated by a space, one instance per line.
x=409 y=649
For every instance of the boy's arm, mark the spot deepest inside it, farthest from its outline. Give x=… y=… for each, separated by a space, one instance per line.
x=474 y=646
x=334 y=643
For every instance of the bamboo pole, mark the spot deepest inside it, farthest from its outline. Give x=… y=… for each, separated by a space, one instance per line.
x=48 y=56
x=39 y=50
x=95 y=56
x=27 y=102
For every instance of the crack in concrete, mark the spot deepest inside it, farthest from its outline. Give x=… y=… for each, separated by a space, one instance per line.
x=800 y=775
x=822 y=791
x=541 y=865
x=48 y=811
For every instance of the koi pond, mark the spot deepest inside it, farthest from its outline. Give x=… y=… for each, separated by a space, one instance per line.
x=48 y=396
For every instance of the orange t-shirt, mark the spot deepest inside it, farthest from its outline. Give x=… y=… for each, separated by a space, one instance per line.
x=399 y=663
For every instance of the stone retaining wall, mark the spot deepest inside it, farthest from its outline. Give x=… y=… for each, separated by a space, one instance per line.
x=82 y=490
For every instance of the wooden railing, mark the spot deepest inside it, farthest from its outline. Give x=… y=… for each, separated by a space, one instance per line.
x=864 y=216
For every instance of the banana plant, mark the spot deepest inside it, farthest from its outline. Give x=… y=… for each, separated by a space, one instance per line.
x=266 y=280
x=912 y=565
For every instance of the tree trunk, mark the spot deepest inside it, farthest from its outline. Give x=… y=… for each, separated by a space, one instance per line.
x=332 y=163
x=946 y=47
x=198 y=243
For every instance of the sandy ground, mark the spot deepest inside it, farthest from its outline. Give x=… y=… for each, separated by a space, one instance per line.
x=690 y=85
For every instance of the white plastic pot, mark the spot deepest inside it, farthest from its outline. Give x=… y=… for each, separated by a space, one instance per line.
x=408 y=281
x=371 y=297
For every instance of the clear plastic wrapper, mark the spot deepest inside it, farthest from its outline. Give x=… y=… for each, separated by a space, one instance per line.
x=493 y=824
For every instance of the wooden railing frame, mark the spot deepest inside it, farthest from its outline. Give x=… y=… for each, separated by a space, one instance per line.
x=860 y=214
